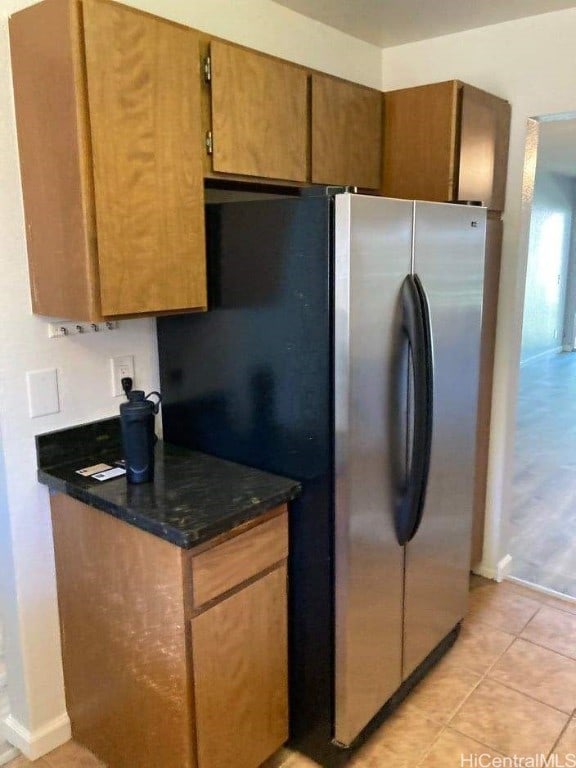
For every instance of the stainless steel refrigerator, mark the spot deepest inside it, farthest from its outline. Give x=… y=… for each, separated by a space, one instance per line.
x=341 y=348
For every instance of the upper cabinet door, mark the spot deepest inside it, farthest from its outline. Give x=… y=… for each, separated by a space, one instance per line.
x=259 y=115
x=346 y=133
x=420 y=142
x=484 y=134
x=144 y=106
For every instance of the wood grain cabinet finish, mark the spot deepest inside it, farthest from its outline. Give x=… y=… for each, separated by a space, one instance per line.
x=221 y=568
x=259 y=113
x=419 y=142
x=346 y=133
x=153 y=675
x=483 y=147
x=109 y=130
x=446 y=142
x=124 y=645
x=240 y=675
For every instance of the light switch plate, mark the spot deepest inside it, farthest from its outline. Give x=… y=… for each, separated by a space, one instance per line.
x=43 y=396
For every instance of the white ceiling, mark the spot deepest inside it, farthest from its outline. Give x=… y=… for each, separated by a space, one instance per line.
x=393 y=22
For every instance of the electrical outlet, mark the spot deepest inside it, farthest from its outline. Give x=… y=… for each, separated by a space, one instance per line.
x=121 y=367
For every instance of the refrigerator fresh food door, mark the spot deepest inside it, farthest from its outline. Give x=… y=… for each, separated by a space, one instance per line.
x=373 y=244
x=449 y=260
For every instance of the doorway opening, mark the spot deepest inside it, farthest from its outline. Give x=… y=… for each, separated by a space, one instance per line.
x=543 y=498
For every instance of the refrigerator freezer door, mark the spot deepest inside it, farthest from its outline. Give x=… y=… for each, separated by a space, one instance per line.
x=449 y=259
x=251 y=381
x=373 y=241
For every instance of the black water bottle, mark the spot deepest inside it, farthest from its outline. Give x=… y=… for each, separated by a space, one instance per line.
x=138 y=436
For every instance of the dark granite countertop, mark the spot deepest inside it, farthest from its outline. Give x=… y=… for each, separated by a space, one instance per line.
x=194 y=497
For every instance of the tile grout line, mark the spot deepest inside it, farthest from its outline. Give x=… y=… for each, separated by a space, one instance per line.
x=432 y=745
x=471 y=617
x=449 y=724
x=547 y=648
x=484 y=678
x=478 y=741
x=453 y=714
x=536 y=612
x=562 y=732
x=496 y=660
x=532 y=698
x=511 y=687
x=514 y=635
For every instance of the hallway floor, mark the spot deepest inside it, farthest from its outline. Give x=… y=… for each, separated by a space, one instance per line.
x=543 y=515
x=508 y=687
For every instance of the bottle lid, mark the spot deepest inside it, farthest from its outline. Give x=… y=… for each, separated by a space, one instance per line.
x=136 y=395
x=137 y=403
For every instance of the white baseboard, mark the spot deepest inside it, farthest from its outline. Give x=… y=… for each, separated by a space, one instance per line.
x=540 y=355
x=543 y=590
x=7 y=753
x=496 y=574
x=35 y=744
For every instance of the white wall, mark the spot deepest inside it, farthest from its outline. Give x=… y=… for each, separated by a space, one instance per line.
x=530 y=63
x=27 y=587
x=549 y=251
x=269 y=27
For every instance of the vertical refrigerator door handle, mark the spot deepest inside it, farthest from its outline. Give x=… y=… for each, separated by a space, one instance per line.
x=417 y=328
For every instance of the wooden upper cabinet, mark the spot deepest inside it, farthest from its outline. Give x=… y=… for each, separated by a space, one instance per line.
x=346 y=133
x=420 y=142
x=446 y=142
x=144 y=105
x=483 y=152
x=108 y=113
x=259 y=111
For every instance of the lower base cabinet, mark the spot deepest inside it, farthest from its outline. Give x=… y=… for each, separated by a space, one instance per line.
x=240 y=691
x=173 y=658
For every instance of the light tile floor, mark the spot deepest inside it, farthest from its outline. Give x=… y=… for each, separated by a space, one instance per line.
x=508 y=687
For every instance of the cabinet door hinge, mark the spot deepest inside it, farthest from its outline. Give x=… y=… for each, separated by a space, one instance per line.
x=209 y=142
x=207 y=67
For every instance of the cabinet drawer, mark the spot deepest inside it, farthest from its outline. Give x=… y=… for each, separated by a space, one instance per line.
x=227 y=565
